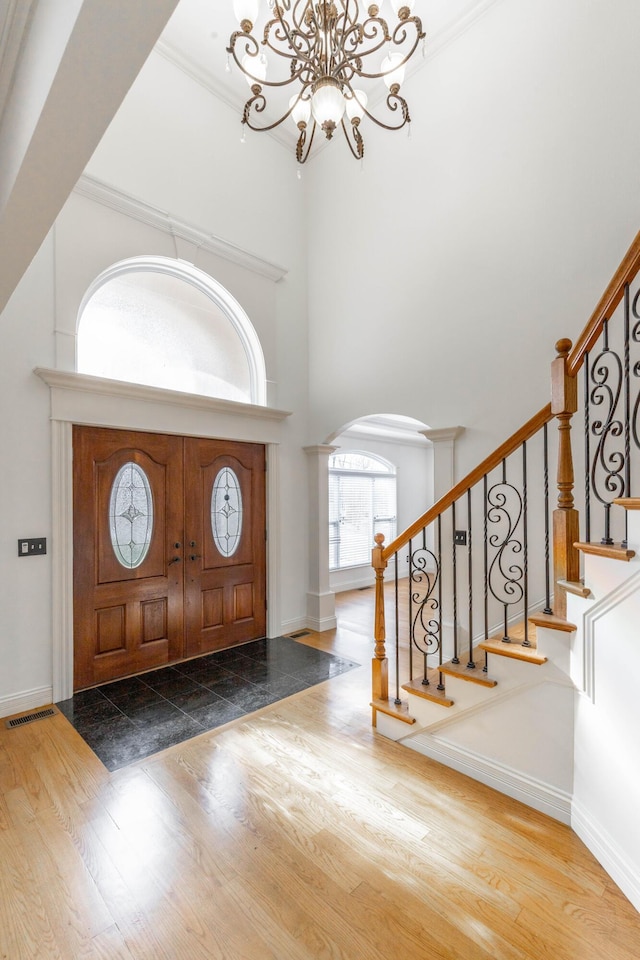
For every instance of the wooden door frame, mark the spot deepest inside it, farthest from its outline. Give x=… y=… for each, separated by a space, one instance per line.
x=93 y=401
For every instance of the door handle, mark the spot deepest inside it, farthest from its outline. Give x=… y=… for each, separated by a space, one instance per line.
x=195 y=556
x=173 y=560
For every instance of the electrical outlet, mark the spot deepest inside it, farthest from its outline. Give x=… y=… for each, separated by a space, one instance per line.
x=460 y=538
x=32 y=547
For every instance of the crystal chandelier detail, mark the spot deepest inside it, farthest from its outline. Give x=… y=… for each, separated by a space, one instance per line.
x=326 y=52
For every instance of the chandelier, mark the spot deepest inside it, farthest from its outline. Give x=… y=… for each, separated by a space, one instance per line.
x=325 y=51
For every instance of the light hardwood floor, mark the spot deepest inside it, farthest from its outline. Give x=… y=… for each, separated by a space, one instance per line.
x=293 y=834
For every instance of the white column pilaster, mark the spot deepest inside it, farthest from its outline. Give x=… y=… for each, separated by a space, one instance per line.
x=443 y=440
x=321 y=607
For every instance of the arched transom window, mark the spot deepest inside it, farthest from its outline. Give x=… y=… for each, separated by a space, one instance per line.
x=167 y=324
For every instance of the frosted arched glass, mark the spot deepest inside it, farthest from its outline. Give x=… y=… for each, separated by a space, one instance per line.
x=226 y=512
x=152 y=328
x=131 y=515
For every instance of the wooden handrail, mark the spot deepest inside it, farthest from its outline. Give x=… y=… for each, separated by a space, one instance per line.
x=608 y=303
x=525 y=432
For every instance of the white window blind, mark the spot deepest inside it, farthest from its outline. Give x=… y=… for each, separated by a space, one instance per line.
x=362 y=502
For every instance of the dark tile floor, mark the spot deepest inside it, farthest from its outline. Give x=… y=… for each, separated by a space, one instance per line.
x=130 y=719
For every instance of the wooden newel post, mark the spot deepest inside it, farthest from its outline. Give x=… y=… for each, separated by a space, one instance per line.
x=566 y=532
x=380 y=664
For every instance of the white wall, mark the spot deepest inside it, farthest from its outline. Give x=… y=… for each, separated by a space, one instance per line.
x=463 y=253
x=25 y=489
x=605 y=669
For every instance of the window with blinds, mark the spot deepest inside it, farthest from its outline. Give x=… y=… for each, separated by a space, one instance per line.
x=362 y=502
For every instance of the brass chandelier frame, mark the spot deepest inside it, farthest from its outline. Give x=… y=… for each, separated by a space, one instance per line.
x=325 y=44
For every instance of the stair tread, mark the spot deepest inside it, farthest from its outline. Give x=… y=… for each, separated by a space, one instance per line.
x=629 y=503
x=552 y=622
x=430 y=691
x=474 y=675
x=392 y=709
x=577 y=587
x=513 y=650
x=615 y=551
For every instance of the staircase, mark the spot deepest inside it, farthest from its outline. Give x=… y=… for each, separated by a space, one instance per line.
x=516 y=655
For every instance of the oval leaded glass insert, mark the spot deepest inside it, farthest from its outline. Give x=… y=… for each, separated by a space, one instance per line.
x=130 y=515
x=226 y=512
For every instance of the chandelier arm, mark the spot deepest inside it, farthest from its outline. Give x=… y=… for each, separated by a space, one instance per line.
x=357 y=56
x=257 y=103
x=301 y=152
x=357 y=150
x=287 y=38
x=286 y=30
x=400 y=30
x=263 y=82
x=406 y=57
x=252 y=47
x=394 y=102
x=349 y=38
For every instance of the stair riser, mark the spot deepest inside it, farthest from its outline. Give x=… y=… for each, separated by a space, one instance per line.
x=556 y=646
x=602 y=574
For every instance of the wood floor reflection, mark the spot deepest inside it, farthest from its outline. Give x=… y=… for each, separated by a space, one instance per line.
x=293 y=834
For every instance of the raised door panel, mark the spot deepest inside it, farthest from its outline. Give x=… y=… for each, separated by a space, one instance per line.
x=225 y=561
x=128 y=516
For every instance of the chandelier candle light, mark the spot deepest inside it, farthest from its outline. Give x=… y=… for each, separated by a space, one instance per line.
x=326 y=52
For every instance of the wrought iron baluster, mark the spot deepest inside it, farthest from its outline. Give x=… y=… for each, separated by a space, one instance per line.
x=398 y=701
x=504 y=503
x=440 y=682
x=627 y=412
x=455 y=658
x=587 y=452
x=471 y=665
x=425 y=666
x=607 y=383
x=635 y=338
x=486 y=567
x=424 y=603
x=411 y=621
x=525 y=543
x=547 y=566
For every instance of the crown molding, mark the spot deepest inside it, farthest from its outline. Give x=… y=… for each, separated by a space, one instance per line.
x=442 y=434
x=454 y=30
x=99 y=192
x=403 y=438
x=222 y=91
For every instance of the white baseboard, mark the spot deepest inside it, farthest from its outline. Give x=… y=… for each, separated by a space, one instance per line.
x=327 y=623
x=514 y=783
x=308 y=623
x=290 y=626
x=27 y=700
x=625 y=874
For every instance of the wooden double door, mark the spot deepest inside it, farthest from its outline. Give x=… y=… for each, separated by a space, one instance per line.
x=169 y=549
